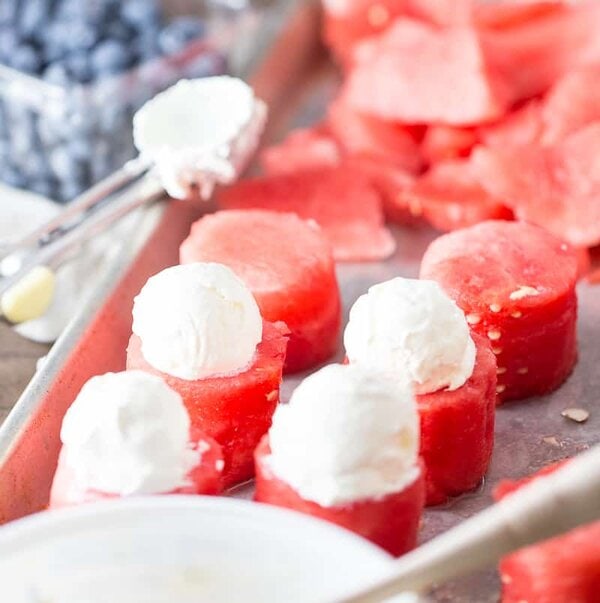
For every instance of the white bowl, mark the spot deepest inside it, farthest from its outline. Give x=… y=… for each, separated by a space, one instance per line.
x=181 y=549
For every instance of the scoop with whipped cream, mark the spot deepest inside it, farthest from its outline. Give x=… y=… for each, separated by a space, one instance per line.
x=200 y=133
x=411 y=327
x=128 y=433
x=347 y=434
x=196 y=321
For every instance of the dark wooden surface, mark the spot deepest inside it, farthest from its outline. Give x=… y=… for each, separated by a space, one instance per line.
x=18 y=357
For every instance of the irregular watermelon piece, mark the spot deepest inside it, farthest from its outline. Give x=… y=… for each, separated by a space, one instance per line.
x=449 y=196
x=415 y=73
x=302 y=149
x=235 y=410
x=342 y=201
x=391 y=522
x=497 y=15
x=516 y=284
x=531 y=54
x=362 y=134
x=447 y=142
x=520 y=127
x=457 y=430
x=565 y=569
x=556 y=187
x=294 y=283
x=572 y=103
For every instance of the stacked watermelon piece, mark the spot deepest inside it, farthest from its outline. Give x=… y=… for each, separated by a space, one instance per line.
x=454 y=113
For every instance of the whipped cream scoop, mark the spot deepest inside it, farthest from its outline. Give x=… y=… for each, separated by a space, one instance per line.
x=347 y=434
x=411 y=328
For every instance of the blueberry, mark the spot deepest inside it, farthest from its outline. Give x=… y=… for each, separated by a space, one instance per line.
x=44 y=187
x=80 y=149
x=33 y=15
x=146 y=46
x=69 y=189
x=141 y=14
x=57 y=74
x=180 y=32
x=26 y=58
x=79 y=67
x=9 y=40
x=118 y=31
x=8 y=11
x=64 y=166
x=12 y=176
x=110 y=57
x=80 y=36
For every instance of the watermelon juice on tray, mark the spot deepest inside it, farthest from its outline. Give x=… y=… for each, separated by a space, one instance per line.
x=516 y=284
x=288 y=265
x=199 y=328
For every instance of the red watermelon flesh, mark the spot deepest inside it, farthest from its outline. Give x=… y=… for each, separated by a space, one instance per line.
x=457 y=430
x=415 y=73
x=565 y=569
x=573 y=103
x=294 y=283
x=362 y=134
x=302 y=149
x=520 y=127
x=530 y=55
x=447 y=142
x=235 y=410
x=515 y=283
x=449 y=196
x=497 y=15
x=342 y=201
x=557 y=187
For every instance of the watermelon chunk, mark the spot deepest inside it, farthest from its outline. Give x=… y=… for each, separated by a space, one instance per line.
x=449 y=196
x=516 y=284
x=457 y=430
x=447 y=142
x=366 y=135
x=556 y=187
x=391 y=522
x=293 y=282
x=302 y=149
x=531 y=54
x=573 y=102
x=235 y=410
x=415 y=73
x=520 y=127
x=565 y=569
x=343 y=202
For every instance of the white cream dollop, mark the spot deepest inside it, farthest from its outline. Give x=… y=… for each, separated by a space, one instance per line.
x=197 y=320
x=200 y=132
x=411 y=327
x=128 y=433
x=347 y=434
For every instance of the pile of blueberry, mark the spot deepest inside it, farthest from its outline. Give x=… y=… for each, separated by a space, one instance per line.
x=107 y=57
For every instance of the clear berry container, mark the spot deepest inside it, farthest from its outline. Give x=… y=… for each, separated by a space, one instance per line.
x=73 y=72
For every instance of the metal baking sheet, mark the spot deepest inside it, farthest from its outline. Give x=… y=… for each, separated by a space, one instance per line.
x=297 y=81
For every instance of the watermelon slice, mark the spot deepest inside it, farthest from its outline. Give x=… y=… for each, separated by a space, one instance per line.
x=449 y=196
x=516 y=284
x=447 y=142
x=391 y=522
x=235 y=410
x=530 y=54
x=573 y=102
x=294 y=283
x=565 y=569
x=369 y=136
x=204 y=478
x=557 y=187
x=520 y=127
x=302 y=149
x=415 y=73
x=457 y=430
x=343 y=202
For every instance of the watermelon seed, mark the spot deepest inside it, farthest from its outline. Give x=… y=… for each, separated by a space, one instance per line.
x=497 y=351
x=579 y=415
x=501 y=370
x=219 y=465
x=500 y=388
x=473 y=319
x=523 y=371
x=495 y=308
x=517 y=314
x=494 y=335
x=378 y=16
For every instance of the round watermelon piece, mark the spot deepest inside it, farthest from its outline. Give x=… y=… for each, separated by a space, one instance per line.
x=564 y=569
x=441 y=143
x=204 y=478
x=391 y=522
x=287 y=263
x=457 y=430
x=302 y=149
x=515 y=283
x=235 y=410
x=555 y=187
x=419 y=74
x=342 y=201
x=450 y=197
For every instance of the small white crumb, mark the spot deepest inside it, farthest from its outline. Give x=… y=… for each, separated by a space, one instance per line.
x=501 y=370
x=219 y=465
x=551 y=440
x=494 y=335
x=272 y=395
x=516 y=314
x=524 y=291
x=495 y=308
x=579 y=415
x=473 y=319
x=497 y=351
x=500 y=388
x=523 y=370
